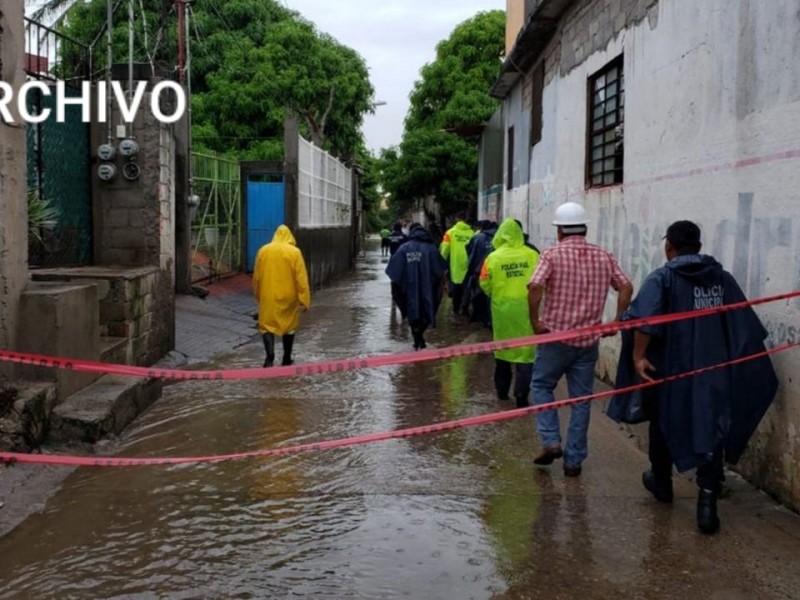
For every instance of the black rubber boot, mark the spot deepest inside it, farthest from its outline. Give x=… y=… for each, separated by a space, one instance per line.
x=707 y=519
x=418 y=333
x=288 y=344
x=660 y=488
x=269 y=346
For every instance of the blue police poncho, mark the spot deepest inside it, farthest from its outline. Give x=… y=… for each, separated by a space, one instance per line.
x=722 y=407
x=416 y=272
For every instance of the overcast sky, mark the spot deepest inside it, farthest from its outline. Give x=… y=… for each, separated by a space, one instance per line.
x=396 y=38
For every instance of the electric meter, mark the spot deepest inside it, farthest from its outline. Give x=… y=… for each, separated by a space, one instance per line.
x=106 y=152
x=128 y=147
x=106 y=171
x=130 y=171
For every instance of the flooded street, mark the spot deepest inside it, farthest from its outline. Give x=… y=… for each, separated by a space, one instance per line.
x=462 y=514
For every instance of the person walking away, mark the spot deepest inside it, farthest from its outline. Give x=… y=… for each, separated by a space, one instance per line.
x=280 y=286
x=417 y=272
x=453 y=250
x=436 y=233
x=504 y=278
x=384 y=233
x=695 y=422
x=478 y=249
x=573 y=277
x=397 y=238
x=528 y=242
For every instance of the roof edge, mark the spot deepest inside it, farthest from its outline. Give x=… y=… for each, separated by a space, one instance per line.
x=532 y=39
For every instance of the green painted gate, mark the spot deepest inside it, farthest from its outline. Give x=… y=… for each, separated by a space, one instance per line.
x=217 y=222
x=59 y=170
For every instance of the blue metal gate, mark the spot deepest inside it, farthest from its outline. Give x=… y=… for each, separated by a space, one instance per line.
x=265 y=211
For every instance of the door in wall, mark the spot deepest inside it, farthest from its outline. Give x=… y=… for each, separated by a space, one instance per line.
x=265 y=211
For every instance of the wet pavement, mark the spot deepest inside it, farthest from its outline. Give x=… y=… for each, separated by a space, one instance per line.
x=462 y=514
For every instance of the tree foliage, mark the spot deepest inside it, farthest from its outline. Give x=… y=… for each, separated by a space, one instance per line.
x=453 y=92
x=251 y=61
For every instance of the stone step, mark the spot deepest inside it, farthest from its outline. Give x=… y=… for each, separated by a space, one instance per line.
x=103 y=408
x=114 y=350
x=25 y=409
x=62 y=318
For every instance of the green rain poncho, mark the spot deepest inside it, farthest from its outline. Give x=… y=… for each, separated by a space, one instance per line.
x=504 y=278
x=454 y=250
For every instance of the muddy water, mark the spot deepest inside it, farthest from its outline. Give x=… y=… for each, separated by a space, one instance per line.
x=409 y=517
x=453 y=515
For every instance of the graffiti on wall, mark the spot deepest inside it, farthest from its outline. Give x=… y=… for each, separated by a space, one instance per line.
x=760 y=252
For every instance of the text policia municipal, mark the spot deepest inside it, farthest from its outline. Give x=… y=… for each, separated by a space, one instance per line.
x=127 y=102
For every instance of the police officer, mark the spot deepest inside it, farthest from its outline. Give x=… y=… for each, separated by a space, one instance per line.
x=504 y=278
x=454 y=251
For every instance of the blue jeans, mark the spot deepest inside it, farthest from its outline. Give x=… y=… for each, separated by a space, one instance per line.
x=552 y=362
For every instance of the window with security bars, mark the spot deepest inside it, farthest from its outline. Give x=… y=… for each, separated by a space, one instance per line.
x=606 y=125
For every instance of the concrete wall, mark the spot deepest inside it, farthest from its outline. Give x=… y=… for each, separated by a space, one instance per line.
x=515 y=19
x=135 y=304
x=134 y=221
x=134 y=227
x=712 y=126
x=13 y=183
x=58 y=323
x=326 y=252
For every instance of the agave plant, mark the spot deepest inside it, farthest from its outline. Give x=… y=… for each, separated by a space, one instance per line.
x=41 y=214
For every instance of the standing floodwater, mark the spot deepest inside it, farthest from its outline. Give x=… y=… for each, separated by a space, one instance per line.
x=462 y=514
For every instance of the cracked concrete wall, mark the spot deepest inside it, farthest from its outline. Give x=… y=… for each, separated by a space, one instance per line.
x=712 y=124
x=13 y=182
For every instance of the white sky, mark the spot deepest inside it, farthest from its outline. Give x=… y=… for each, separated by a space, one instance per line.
x=396 y=38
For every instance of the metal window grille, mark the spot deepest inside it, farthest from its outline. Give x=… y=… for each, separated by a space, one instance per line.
x=324 y=189
x=606 y=125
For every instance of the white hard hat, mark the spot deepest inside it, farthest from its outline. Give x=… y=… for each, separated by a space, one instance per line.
x=570 y=213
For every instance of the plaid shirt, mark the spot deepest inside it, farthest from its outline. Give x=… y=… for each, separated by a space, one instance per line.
x=576 y=276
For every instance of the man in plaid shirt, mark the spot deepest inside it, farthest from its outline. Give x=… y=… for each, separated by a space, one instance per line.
x=573 y=277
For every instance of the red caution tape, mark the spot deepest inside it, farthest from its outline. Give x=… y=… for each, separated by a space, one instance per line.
x=352 y=364
x=88 y=461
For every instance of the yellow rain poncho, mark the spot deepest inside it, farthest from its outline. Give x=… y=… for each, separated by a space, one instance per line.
x=280 y=284
x=504 y=278
x=454 y=250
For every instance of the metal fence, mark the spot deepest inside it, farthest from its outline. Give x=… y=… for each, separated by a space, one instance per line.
x=324 y=189
x=217 y=220
x=53 y=56
x=58 y=153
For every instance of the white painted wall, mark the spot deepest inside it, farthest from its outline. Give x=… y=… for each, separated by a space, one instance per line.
x=712 y=134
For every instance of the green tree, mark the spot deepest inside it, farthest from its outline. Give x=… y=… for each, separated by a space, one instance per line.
x=453 y=92
x=252 y=60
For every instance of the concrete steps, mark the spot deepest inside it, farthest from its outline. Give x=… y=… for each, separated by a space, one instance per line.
x=103 y=408
x=113 y=350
